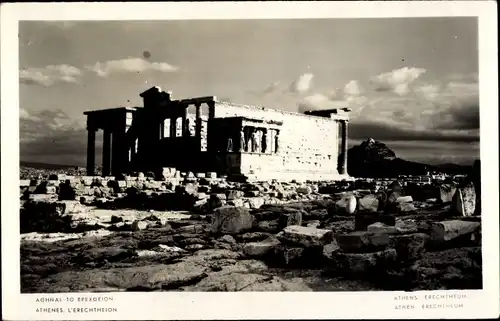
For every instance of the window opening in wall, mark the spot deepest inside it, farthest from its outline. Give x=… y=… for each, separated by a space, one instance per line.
x=128 y=120
x=178 y=127
x=166 y=128
x=188 y=128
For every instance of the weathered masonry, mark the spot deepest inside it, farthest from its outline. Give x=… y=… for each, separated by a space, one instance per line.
x=219 y=137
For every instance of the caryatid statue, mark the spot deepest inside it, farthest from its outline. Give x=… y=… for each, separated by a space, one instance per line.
x=242 y=141
x=276 y=141
x=254 y=141
x=265 y=141
x=258 y=140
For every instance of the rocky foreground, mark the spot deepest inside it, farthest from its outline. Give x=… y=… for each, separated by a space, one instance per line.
x=88 y=234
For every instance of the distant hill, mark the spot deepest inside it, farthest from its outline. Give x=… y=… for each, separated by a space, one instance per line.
x=374 y=159
x=46 y=166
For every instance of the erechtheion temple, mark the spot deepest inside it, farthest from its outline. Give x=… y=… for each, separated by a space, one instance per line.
x=221 y=137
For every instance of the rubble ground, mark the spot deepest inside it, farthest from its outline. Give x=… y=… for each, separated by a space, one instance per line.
x=204 y=234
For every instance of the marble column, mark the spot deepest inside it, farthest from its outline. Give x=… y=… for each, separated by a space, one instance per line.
x=106 y=153
x=198 y=120
x=211 y=144
x=173 y=126
x=184 y=124
x=91 y=150
x=343 y=164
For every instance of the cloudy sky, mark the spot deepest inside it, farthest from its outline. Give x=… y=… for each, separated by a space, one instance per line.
x=412 y=83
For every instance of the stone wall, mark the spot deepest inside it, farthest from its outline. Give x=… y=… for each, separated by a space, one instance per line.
x=308 y=144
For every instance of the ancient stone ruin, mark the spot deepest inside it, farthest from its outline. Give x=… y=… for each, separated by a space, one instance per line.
x=223 y=138
x=167 y=215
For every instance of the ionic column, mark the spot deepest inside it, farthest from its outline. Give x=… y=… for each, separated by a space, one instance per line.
x=211 y=145
x=198 y=120
x=91 y=150
x=184 y=125
x=106 y=153
x=173 y=126
x=343 y=164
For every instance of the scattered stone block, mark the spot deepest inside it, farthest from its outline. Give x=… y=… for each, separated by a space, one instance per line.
x=24 y=183
x=409 y=247
x=364 y=264
x=167 y=172
x=227 y=239
x=41 y=197
x=211 y=175
x=304 y=189
x=231 y=220
x=253 y=237
x=272 y=226
x=200 y=175
x=464 y=201
x=305 y=236
x=187 y=189
x=291 y=218
x=404 y=208
x=139 y=225
x=72 y=207
x=191 y=229
x=216 y=200
x=330 y=249
x=52 y=183
x=314 y=223
x=361 y=241
x=236 y=202
x=344 y=206
x=404 y=199
x=87 y=199
x=363 y=220
x=379 y=227
x=234 y=194
x=368 y=203
x=252 y=193
x=256 y=202
x=262 y=248
x=445 y=231
x=289 y=255
x=446 y=192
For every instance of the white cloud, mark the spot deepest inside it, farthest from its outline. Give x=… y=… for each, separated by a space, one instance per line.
x=334 y=94
x=428 y=91
x=303 y=84
x=397 y=80
x=272 y=88
x=352 y=88
x=319 y=102
x=129 y=65
x=49 y=75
